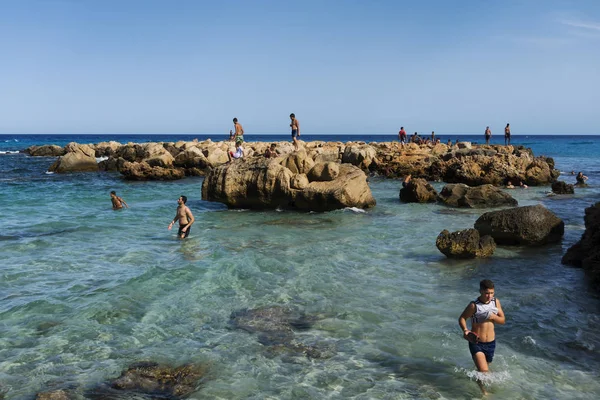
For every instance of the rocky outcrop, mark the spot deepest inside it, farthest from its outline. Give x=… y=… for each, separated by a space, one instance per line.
x=77 y=158
x=55 y=395
x=586 y=253
x=262 y=183
x=461 y=195
x=49 y=150
x=529 y=225
x=418 y=191
x=465 y=244
x=142 y=171
x=562 y=187
x=361 y=156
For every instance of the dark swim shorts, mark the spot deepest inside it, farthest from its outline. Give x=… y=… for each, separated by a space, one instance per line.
x=487 y=348
x=187 y=231
x=294 y=133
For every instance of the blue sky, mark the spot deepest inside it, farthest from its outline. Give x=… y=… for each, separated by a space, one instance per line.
x=342 y=66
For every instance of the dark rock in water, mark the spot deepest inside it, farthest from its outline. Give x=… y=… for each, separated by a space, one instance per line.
x=461 y=195
x=465 y=244
x=142 y=171
x=561 y=187
x=275 y=327
x=49 y=150
x=418 y=191
x=586 y=253
x=152 y=380
x=530 y=225
x=54 y=395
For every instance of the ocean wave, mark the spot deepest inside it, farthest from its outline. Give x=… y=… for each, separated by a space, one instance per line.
x=487 y=378
x=100 y=159
x=355 y=209
x=10 y=152
x=49 y=173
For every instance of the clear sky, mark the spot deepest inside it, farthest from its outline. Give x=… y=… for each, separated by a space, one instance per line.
x=370 y=66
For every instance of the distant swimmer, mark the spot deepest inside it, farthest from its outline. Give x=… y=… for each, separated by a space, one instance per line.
x=507 y=135
x=402 y=135
x=117 y=202
x=488 y=134
x=295 y=125
x=509 y=185
x=406 y=180
x=185 y=218
x=581 y=178
x=484 y=312
x=239 y=130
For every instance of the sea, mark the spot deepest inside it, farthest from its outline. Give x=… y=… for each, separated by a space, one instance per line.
x=86 y=291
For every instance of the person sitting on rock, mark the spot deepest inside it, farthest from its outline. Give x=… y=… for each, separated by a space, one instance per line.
x=406 y=180
x=509 y=185
x=271 y=152
x=581 y=178
x=239 y=151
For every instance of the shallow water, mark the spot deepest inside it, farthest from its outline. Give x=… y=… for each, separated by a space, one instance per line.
x=87 y=291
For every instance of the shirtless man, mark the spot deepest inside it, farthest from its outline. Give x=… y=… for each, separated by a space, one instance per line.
x=295 y=125
x=402 y=135
x=117 y=202
x=184 y=216
x=484 y=312
x=507 y=135
x=239 y=131
x=488 y=135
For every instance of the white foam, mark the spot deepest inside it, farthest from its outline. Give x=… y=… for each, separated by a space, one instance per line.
x=49 y=173
x=100 y=159
x=355 y=209
x=487 y=378
x=9 y=152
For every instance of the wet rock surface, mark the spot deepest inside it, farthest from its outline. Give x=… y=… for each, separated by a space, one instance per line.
x=484 y=196
x=465 y=244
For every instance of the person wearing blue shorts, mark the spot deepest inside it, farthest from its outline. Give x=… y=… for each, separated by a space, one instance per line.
x=295 y=125
x=484 y=312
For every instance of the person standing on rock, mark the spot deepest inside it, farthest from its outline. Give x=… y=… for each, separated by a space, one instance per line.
x=295 y=125
x=239 y=130
x=117 y=202
x=402 y=135
x=484 y=312
x=184 y=216
x=507 y=135
x=488 y=134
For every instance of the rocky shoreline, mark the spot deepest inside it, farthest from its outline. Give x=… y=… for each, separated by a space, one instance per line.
x=462 y=162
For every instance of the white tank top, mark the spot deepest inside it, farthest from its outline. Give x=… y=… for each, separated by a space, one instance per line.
x=482 y=310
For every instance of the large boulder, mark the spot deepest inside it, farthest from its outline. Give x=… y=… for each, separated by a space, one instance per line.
x=360 y=155
x=298 y=162
x=262 y=183
x=418 y=191
x=461 y=195
x=529 y=225
x=323 y=172
x=562 y=187
x=107 y=149
x=49 y=150
x=586 y=253
x=142 y=171
x=465 y=244
x=192 y=157
x=78 y=158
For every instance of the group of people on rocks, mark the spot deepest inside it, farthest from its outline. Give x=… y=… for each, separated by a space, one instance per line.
x=415 y=138
x=488 y=135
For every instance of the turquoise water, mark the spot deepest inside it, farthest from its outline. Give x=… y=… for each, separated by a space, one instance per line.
x=87 y=291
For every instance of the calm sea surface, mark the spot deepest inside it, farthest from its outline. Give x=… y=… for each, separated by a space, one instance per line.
x=86 y=291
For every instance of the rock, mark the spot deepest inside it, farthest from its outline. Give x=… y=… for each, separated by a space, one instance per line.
x=529 y=225
x=465 y=244
x=361 y=156
x=54 y=395
x=461 y=195
x=192 y=157
x=141 y=171
x=586 y=252
x=164 y=160
x=299 y=181
x=78 y=158
x=261 y=183
x=539 y=173
x=49 y=150
x=323 y=172
x=112 y=164
x=298 y=162
x=561 y=187
x=151 y=379
x=464 y=145
x=418 y=191
x=107 y=149
x=216 y=156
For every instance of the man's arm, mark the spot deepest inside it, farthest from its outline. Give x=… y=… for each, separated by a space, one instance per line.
x=241 y=129
x=123 y=201
x=466 y=314
x=498 y=318
x=174 y=220
x=298 y=126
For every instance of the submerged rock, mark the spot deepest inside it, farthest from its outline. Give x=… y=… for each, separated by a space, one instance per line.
x=465 y=244
x=529 y=225
x=562 y=187
x=461 y=195
x=54 y=395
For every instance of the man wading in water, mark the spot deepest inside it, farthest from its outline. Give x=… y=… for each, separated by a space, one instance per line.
x=484 y=313
x=185 y=218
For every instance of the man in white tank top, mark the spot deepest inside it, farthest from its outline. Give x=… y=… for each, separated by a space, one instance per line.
x=484 y=312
